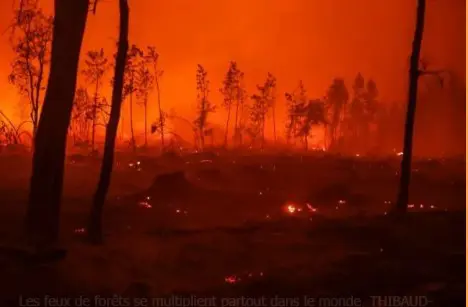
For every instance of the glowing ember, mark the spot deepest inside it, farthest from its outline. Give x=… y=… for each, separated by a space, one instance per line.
x=291 y=209
x=399 y=153
x=177 y=211
x=131 y=164
x=311 y=209
x=138 y=163
x=232 y=279
x=342 y=202
x=358 y=155
x=260 y=193
x=80 y=230
x=206 y=161
x=387 y=202
x=145 y=205
x=410 y=205
x=421 y=206
x=267 y=216
x=432 y=206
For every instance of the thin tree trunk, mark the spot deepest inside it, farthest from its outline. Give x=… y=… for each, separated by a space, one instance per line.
x=226 y=132
x=131 y=120
x=161 y=116
x=236 y=124
x=122 y=127
x=274 y=122
x=263 y=131
x=146 y=122
x=241 y=124
x=95 y=103
x=95 y=219
x=405 y=172
x=43 y=211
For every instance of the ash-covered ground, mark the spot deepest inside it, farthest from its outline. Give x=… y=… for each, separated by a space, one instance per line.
x=233 y=224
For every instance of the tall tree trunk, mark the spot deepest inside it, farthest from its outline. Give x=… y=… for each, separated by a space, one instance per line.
x=325 y=136
x=95 y=105
x=43 y=211
x=241 y=124
x=146 y=121
x=274 y=122
x=161 y=116
x=236 y=124
x=263 y=131
x=95 y=219
x=226 y=132
x=133 y=143
x=405 y=172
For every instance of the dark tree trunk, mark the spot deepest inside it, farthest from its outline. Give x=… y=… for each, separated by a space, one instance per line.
x=146 y=122
x=226 y=132
x=161 y=118
x=236 y=124
x=274 y=122
x=95 y=220
x=43 y=211
x=132 y=132
x=405 y=172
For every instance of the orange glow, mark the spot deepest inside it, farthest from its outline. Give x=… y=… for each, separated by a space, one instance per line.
x=291 y=208
x=299 y=39
x=311 y=209
x=145 y=204
x=232 y=279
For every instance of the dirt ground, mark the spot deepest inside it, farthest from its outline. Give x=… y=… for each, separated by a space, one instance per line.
x=235 y=225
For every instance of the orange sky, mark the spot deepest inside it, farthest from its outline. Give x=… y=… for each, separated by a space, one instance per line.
x=313 y=40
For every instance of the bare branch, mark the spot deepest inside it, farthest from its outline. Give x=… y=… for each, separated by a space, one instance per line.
x=95 y=6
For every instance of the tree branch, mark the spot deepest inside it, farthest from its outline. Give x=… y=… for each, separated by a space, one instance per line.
x=95 y=6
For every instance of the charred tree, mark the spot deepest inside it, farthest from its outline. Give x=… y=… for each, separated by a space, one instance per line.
x=95 y=220
x=43 y=211
x=414 y=73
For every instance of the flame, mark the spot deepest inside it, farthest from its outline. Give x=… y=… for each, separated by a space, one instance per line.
x=311 y=209
x=291 y=209
x=80 y=230
x=231 y=279
x=145 y=205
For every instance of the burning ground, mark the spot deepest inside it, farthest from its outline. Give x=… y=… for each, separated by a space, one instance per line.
x=245 y=224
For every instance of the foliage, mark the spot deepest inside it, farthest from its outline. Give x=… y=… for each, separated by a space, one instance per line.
x=294 y=100
x=262 y=102
x=152 y=56
x=234 y=94
x=80 y=122
x=204 y=106
x=96 y=66
x=31 y=40
x=336 y=100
